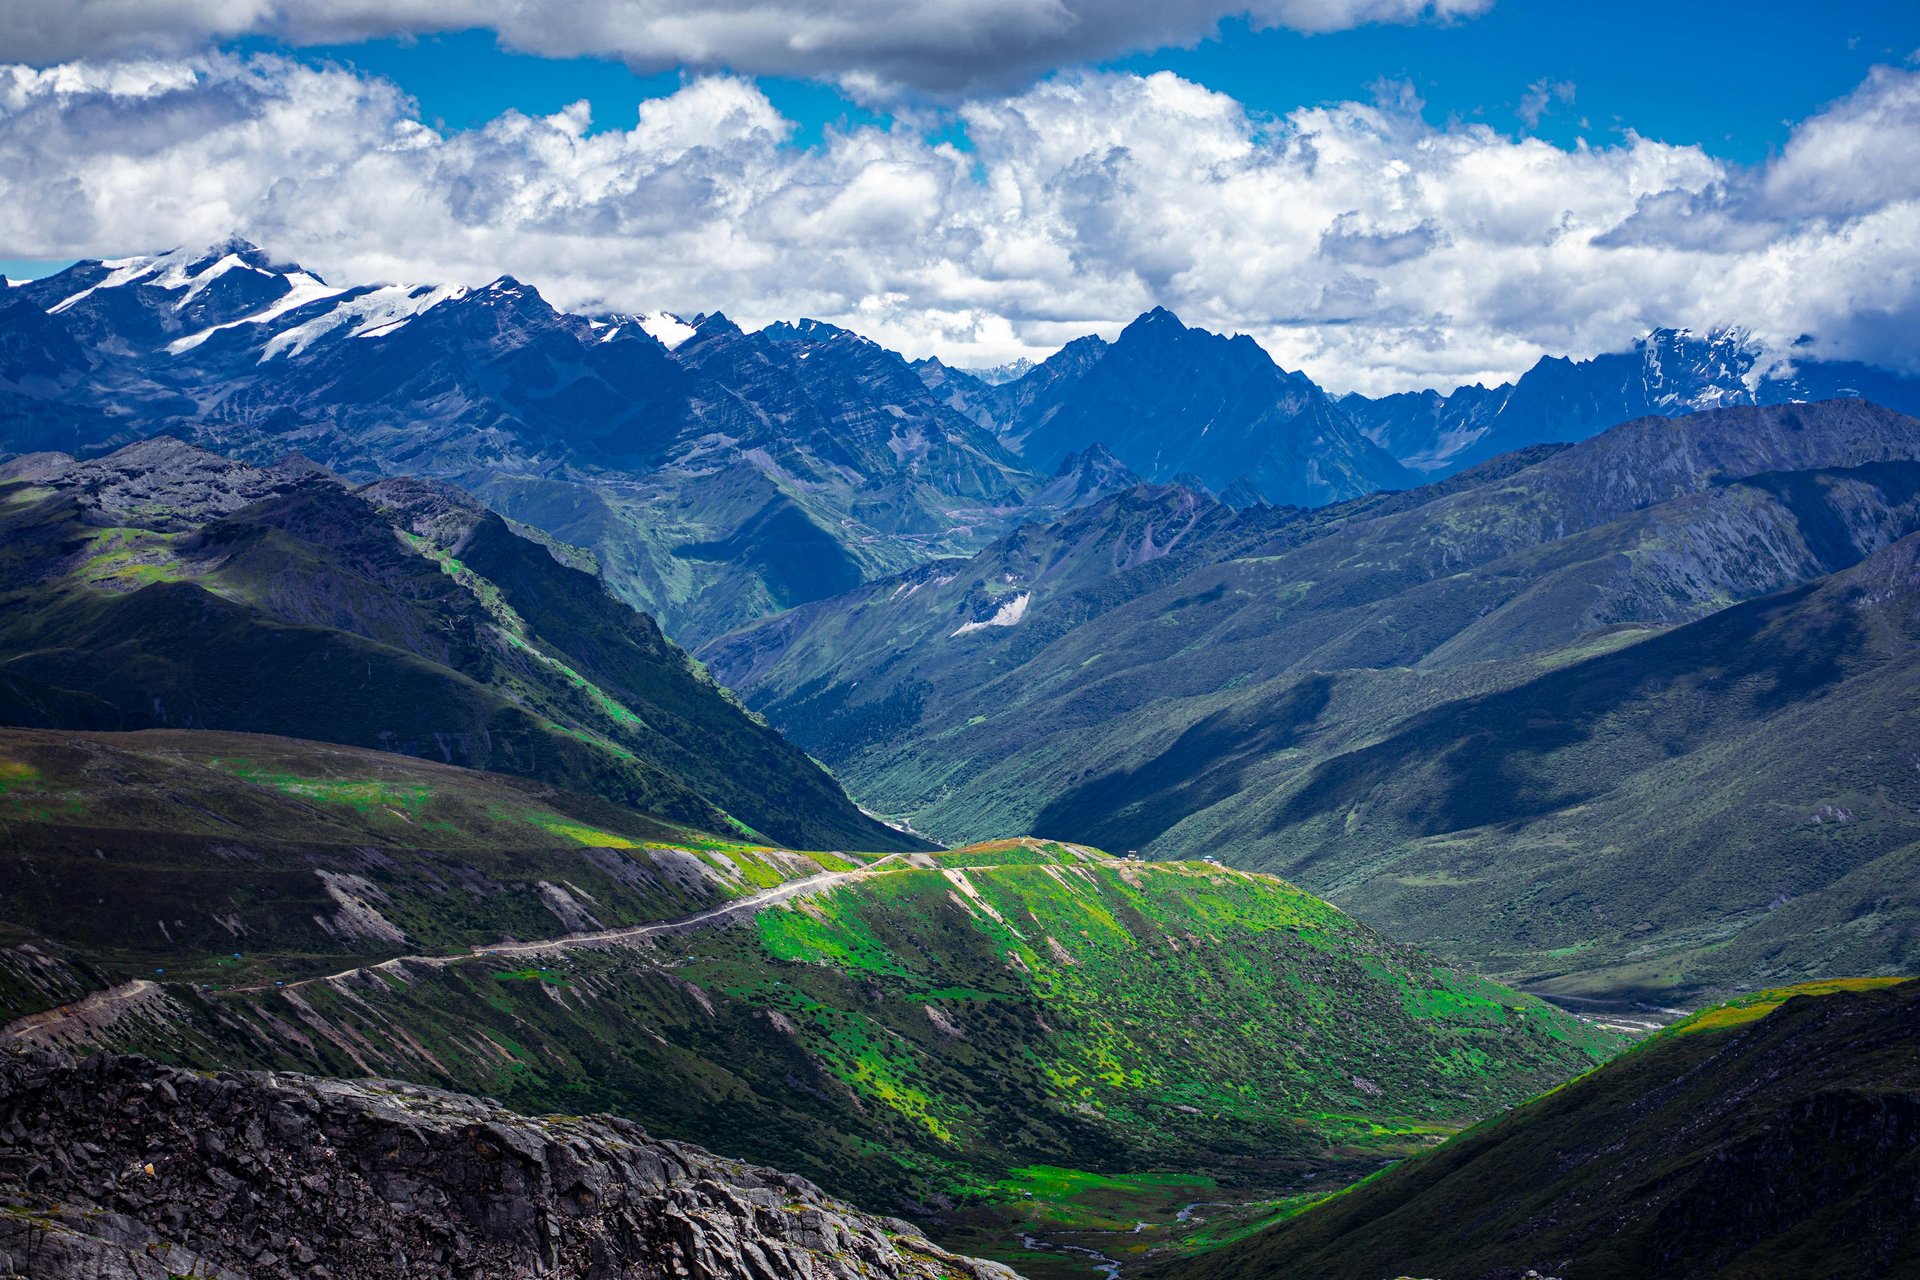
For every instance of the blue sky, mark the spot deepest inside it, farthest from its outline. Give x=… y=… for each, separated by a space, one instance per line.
x=1731 y=77
x=1571 y=176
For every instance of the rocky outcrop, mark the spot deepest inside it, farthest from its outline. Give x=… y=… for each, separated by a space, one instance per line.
x=116 y=1168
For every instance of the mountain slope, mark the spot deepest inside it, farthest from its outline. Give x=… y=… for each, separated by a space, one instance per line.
x=1185 y=704
x=1727 y=802
x=918 y=1031
x=161 y=586
x=247 y=1176
x=1727 y=1147
x=233 y=858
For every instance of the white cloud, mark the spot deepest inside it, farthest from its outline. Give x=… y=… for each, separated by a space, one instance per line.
x=1361 y=242
x=1861 y=154
x=1541 y=97
x=875 y=46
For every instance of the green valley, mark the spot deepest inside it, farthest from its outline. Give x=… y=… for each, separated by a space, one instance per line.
x=1625 y=717
x=995 y=1040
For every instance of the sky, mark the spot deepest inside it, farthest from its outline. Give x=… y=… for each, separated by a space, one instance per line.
x=1387 y=193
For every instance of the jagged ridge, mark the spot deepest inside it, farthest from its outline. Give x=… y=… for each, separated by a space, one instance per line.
x=119 y=1169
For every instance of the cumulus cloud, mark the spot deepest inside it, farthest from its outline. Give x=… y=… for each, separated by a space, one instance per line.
x=1359 y=241
x=876 y=47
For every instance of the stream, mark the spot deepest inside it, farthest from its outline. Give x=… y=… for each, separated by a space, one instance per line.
x=1111 y=1268
x=1101 y=1262
x=1186 y=1212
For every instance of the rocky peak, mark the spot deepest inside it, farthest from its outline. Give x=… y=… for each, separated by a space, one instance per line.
x=1242 y=494
x=1000 y=374
x=806 y=331
x=121 y=1169
x=1157 y=321
x=164 y=483
x=713 y=324
x=442 y=513
x=1084 y=477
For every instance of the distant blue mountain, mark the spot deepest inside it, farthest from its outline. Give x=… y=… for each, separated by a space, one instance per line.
x=1667 y=373
x=730 y=475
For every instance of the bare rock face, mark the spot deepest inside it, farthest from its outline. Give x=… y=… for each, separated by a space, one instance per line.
x=116 y=1168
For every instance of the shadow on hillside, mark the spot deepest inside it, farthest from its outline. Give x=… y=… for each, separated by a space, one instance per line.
x=1205 y=765
x=1487 y=760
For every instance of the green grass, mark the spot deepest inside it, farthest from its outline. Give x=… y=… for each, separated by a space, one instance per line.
x=1795 y=1095
x=1081 y=1200
x=549 y=976
x=1750 y=1008
x=1045 y=1039
x=811 y=933
x=362 y=795
x=16 y=775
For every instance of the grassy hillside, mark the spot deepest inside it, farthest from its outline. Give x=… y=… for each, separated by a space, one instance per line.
x=229 y=859
x=972 y=1037
x=1731 y=801
x=1733 y=1145
x=165 y=587
x=1203 y=691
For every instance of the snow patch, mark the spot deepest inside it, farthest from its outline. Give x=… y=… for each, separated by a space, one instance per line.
x=667 y=329
x=305 y=289
x=196 y=284
x=1006 y=615
x=120 y=271
x=373 y=314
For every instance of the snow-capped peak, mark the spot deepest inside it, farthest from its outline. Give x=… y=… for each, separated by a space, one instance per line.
x=196 y=281
x=120 y=271
x=188 y=268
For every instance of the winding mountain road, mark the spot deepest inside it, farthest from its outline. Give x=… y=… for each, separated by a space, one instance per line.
x=801 y=887
x=100 y=1008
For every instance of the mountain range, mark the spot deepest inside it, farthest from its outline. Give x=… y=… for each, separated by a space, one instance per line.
x=342 y=736
x=1636 y=700
x=733 y=475
x=1667 y=372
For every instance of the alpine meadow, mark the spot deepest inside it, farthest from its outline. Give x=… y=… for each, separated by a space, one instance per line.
x=1066 y=639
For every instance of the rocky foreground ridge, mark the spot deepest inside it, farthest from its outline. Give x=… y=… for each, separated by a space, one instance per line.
x=117 y=1168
